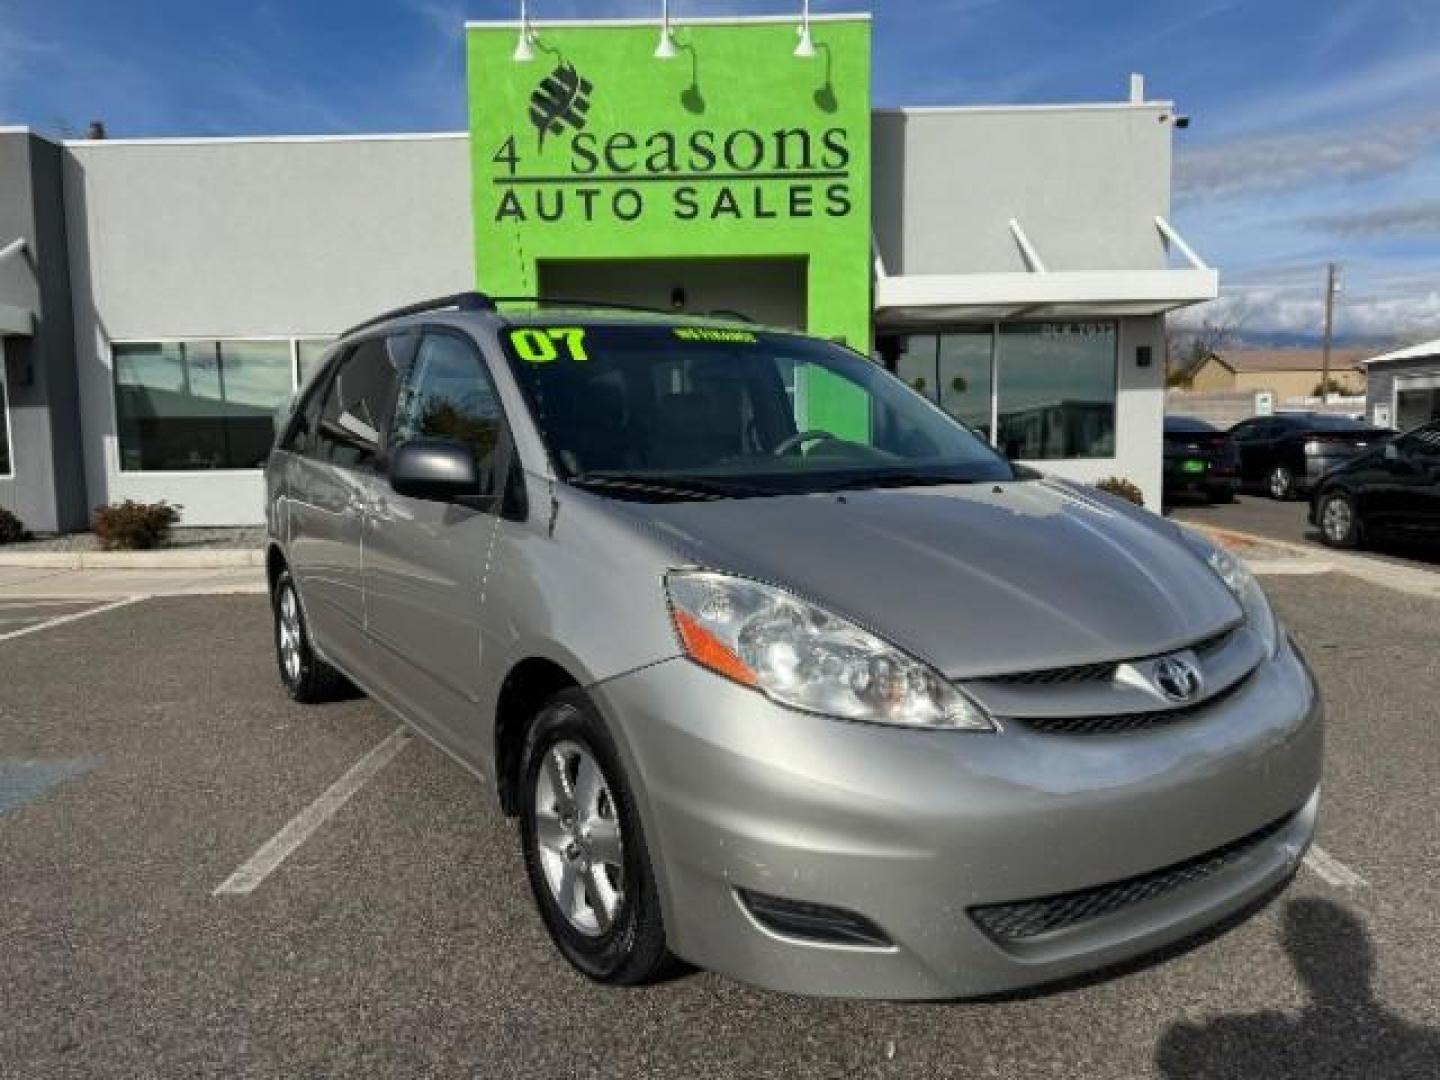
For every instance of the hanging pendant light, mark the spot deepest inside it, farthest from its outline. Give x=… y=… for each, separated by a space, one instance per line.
x=805 y=48
x=665 y=48
x=525 y=45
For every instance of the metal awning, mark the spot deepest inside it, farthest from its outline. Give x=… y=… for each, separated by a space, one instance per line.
x=15 y=319
x=1040 y=293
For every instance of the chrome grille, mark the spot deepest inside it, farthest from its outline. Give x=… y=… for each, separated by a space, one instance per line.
x=1060 y=676
x=1121 y=723
x=1104 y=671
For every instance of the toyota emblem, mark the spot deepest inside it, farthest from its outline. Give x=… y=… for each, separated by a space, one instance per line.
x=1177 y=678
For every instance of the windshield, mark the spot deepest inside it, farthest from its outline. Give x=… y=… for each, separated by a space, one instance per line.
x=711 y=412
x=1324 y=422
x=1186 y=425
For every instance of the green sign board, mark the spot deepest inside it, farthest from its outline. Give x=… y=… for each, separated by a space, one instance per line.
x=734 y=149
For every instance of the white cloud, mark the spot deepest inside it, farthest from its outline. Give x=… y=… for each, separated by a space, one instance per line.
x=1285 y=163
x=1398 y=220
x=1407 y=310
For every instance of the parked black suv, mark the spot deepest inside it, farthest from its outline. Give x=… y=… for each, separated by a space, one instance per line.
x=1286 y=454
x=1391 y=491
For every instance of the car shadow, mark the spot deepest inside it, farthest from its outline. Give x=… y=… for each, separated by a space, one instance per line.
x=1343 y=1032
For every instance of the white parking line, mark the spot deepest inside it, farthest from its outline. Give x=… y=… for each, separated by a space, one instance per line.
x=62 y=619
x=298 y=829
x=1331 y=870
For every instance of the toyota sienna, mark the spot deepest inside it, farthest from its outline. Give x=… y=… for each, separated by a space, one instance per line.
x=783 y=671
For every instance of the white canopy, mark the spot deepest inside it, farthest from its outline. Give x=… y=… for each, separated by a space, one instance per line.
x=1042 y=293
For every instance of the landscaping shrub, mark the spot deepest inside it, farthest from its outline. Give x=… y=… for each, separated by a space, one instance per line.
x=1117 y=485
x=12 y=529
x=133 y=526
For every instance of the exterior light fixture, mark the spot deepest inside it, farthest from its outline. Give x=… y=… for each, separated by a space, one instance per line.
x=665 y=48
x=525 y=45
x=805 y=47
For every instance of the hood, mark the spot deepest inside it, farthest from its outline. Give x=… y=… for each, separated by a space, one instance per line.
x=977 y=579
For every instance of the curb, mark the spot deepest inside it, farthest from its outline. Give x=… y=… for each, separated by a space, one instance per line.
x=171 y=559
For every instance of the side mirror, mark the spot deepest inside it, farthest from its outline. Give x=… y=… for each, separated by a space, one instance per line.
x=440 y=470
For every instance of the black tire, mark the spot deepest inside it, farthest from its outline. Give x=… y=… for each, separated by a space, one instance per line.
x=632 y=951
x=1221 y=495
x=306 y=678
x=1338 y=519
x=1280 y=483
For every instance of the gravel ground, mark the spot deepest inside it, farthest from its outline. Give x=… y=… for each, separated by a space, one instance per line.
x=249 y=537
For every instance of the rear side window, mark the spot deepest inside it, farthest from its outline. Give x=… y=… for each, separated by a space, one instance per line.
x=1423 y=443
x=356 y=405
x=448 y=395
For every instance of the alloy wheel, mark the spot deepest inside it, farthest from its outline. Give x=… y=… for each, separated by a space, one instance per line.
x=291 y=640
x=577 y=832
x=1280 y=482
x=1337 y=519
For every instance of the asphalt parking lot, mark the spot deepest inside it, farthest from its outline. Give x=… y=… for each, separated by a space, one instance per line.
x=1262 y=516
x=147 y=752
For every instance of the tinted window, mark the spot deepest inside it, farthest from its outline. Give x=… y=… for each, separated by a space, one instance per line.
x=1321 y=422
x=304 y=425
x=187 y=405
x=1187 y=424
x=449 y=396
x=1423 y=443
x=356 y=404
x=1056 y=392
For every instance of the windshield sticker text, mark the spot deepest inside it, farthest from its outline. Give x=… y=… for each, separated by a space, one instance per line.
x=541 y=345
x=696 y=333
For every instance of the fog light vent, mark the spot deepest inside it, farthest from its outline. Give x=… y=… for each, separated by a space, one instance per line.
x=812 y=922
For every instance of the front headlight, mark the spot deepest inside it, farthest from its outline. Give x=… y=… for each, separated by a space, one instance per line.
x=806 y=658
x=1239 y=579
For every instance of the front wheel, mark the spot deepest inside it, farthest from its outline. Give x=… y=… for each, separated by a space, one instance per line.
x=584 y=848
x=1339 y=524
x=1281 y=483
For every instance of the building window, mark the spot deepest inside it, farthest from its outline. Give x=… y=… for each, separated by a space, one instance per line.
x=7 y=467
x=1050 y=387
x=308 y=354
x=189 y=405
x=1056 y=395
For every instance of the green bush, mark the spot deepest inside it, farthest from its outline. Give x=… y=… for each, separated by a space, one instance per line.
x=134 y=526
x=12 y=529
x=1116 y=485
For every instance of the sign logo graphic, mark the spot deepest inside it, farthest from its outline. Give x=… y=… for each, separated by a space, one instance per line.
x=561 y=100
x=1177 y=678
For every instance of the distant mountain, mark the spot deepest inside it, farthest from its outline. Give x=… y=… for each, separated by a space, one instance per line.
x=1291 y=339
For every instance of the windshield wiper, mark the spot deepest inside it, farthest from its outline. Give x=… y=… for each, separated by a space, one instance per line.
x=896 y=479
x=684 y=487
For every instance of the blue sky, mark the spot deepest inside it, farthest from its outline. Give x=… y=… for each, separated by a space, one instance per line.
x=1315 y=134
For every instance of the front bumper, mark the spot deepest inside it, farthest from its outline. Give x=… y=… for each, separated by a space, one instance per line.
x=913 y=829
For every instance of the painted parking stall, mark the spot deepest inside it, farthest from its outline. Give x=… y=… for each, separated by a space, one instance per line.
x=399 y=936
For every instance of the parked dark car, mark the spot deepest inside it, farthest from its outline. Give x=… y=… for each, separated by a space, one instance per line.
x=1286 y=454
x=1199 y=457
x=1392 y=491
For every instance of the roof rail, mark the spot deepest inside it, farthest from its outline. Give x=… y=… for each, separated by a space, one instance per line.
x=462 y=301
x=570 y=302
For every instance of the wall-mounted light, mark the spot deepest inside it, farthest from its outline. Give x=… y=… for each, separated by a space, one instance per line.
x=525 y=45
x=665 y=48
x=805 y=47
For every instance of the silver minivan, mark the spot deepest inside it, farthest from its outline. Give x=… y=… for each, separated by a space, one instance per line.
x=783 y=671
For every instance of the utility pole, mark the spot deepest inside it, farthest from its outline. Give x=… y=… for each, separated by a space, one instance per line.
x=1331 y=288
